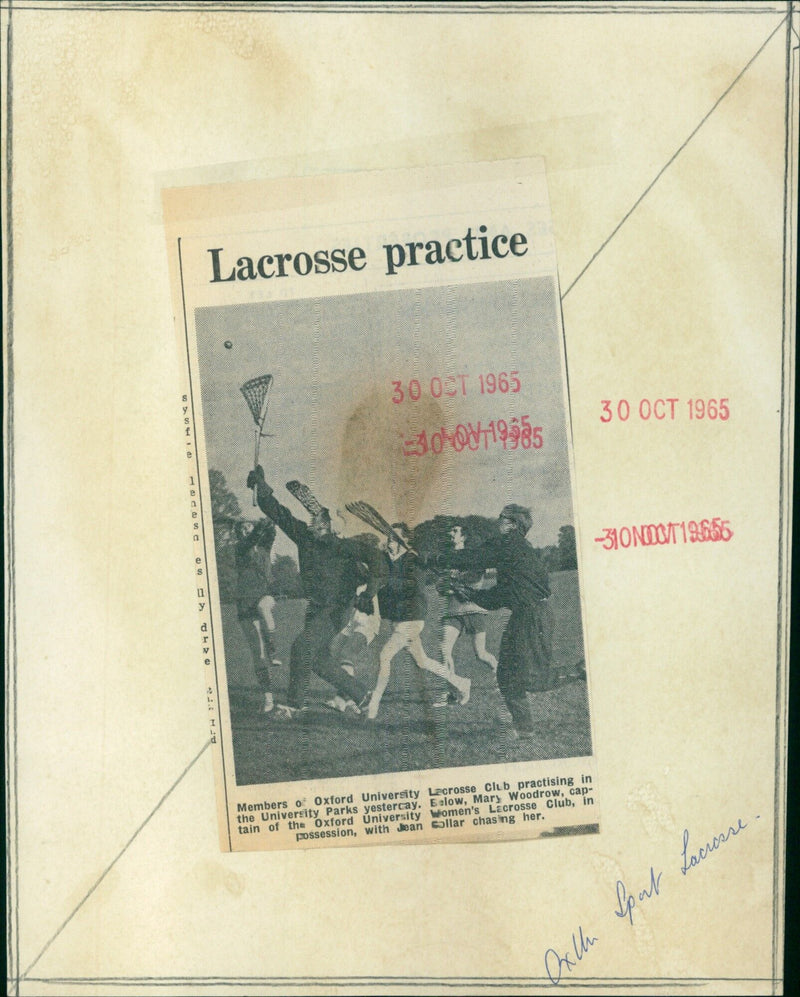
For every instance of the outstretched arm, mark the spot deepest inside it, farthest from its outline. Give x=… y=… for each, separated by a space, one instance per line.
x=270 y=506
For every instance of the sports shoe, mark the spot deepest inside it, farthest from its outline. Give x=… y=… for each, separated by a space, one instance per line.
x=337 y=703
x=276 y=662
x=442 y=700
x=464 y=691
x=269 y=703
x=349 y=670
x=351 y=708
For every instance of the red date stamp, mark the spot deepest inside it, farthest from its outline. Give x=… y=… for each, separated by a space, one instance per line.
x=513 y=434
x=456 y=386
x=665 y=409
x=684 y=531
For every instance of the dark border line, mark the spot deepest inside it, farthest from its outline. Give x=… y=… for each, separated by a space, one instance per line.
x=10 y=642
x=782 y=699
x=393 y=8
x=367 y=981
x=114 y=861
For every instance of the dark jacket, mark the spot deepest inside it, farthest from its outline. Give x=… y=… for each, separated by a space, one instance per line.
x=330 y=567
x=522 y=579
x=253 y=570
x=401 y=596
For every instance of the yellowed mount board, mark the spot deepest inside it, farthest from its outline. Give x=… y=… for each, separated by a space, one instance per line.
x=669 y=140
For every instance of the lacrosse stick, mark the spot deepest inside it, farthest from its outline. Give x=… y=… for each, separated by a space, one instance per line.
x=367 y=514
x=256 y=394
x=304 y=496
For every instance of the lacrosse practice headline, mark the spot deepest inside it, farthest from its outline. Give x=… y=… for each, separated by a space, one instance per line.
x=475 y=244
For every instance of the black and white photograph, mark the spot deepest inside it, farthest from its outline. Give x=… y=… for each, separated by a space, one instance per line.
x=404 y=593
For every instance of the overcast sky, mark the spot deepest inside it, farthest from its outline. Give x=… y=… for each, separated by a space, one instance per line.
x=331 y=413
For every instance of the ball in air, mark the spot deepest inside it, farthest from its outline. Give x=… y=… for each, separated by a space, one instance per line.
x=228 y=344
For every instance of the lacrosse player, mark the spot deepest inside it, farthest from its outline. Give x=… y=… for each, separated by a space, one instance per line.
x=254 y=601
x=329 y=573
x=349 y=647
x=402 y=601
x=460 y=616
x=523 y=587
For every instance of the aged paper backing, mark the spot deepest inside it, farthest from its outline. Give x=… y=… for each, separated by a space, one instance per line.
x=670 y=137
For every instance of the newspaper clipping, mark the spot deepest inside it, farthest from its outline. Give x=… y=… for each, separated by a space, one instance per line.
x=381 y=500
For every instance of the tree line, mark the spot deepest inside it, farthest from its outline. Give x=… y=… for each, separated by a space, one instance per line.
x=430 y=537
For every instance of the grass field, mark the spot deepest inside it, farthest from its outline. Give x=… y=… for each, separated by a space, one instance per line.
x=409 y=734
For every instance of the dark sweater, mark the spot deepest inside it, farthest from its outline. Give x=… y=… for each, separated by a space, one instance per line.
x=401 y=596
x=330 y=566
x=253 y=571
x=522 y=579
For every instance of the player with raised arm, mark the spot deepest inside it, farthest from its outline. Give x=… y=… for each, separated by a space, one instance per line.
x=402 y=602
x=349 y=646
x=254 y=600
x=523 y=587
x=462 y=616
x=329 y=574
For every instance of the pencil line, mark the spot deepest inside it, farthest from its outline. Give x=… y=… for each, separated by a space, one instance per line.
x=12 y=790
x=675 y=155
x=116 y=859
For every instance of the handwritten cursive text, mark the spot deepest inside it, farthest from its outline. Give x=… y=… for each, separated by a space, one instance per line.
x=627 y=902
x=690 y=861
x=555 y=964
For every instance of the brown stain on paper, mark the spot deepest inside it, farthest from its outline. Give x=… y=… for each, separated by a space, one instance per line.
x=214 y=878
x=372 y=466
x=280 y=78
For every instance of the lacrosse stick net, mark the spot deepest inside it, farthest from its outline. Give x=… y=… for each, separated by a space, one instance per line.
x=305 y=497
x=369 y=515
x=256 y=394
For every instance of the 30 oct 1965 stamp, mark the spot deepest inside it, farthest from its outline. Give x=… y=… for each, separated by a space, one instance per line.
x=382 y=505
